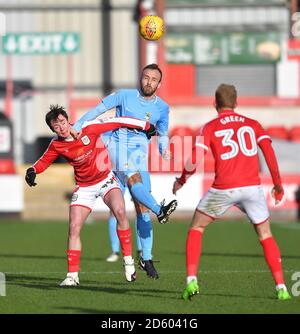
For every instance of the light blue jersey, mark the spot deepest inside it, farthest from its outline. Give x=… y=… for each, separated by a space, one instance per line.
x=130 y=103
x=128 y=149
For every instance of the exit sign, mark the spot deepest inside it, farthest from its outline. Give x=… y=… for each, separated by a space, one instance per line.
x=40 y=43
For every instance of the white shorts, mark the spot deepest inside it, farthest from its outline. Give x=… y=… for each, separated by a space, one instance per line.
x=87 y=196
x=250 y=200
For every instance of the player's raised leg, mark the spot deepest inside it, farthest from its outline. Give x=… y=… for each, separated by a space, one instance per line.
x=78 y=215
x=115 y=201
x=193 y=252
x=272 y=257
x=141 y=193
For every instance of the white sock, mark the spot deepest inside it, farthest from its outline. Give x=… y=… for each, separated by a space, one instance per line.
x=128 y=259
x=73 y=274
x=189 y=279
x=281 y=286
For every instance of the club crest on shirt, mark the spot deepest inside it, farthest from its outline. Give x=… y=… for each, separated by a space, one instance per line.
x=85 y=140
x=147 y=116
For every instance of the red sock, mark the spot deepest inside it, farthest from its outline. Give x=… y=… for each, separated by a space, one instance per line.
x=73 y=260
x=125 y=241
x=273 y=259
x=193 y=251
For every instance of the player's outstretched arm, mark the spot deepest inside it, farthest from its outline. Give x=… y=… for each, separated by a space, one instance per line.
x=110 y=124
x=40 y=165
x=270 y=157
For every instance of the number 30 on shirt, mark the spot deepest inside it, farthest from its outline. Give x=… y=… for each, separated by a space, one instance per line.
x=240 y=144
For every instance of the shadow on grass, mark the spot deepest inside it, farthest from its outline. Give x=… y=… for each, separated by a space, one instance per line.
x=97 y=311
x=130 y=289
x=51 y=283
x=231 y=295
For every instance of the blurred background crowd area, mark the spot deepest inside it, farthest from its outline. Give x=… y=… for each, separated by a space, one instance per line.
x=75 y=52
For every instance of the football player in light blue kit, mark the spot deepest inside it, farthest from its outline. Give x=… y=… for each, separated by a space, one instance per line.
x=128 y=151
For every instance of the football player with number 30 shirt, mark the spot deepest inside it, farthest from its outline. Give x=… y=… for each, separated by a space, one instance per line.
x=93 y=179
x=234 y=140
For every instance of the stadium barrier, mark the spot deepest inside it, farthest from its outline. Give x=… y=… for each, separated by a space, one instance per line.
x=49 y=200
x=11 y=185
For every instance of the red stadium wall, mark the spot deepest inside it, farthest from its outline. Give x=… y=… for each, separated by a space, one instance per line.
x=180 y=80
x=180 y=89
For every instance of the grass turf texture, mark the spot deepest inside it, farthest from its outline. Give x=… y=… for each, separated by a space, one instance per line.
x=233 y=277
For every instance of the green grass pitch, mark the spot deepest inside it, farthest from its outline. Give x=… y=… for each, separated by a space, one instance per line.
x=233 y=275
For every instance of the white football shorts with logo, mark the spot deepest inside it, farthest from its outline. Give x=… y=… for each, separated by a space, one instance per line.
x=250 y=200
x=87 y=196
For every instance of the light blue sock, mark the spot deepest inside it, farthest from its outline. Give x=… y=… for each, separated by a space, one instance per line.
x=143 y=195
x=138 y=239
x=144 y=228
x=113 y=236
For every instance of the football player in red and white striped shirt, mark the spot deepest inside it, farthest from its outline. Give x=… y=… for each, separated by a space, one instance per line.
x=234 y=140
x=87 y=155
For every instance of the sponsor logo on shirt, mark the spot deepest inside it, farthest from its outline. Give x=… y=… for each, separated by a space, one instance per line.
x=82 y=156
x=74 y=198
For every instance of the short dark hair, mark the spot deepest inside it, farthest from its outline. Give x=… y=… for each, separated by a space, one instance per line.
x=153 y=67
x=226 y=96
x=54 y=111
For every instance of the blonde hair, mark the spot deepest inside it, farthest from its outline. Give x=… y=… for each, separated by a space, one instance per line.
x=226 y=96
